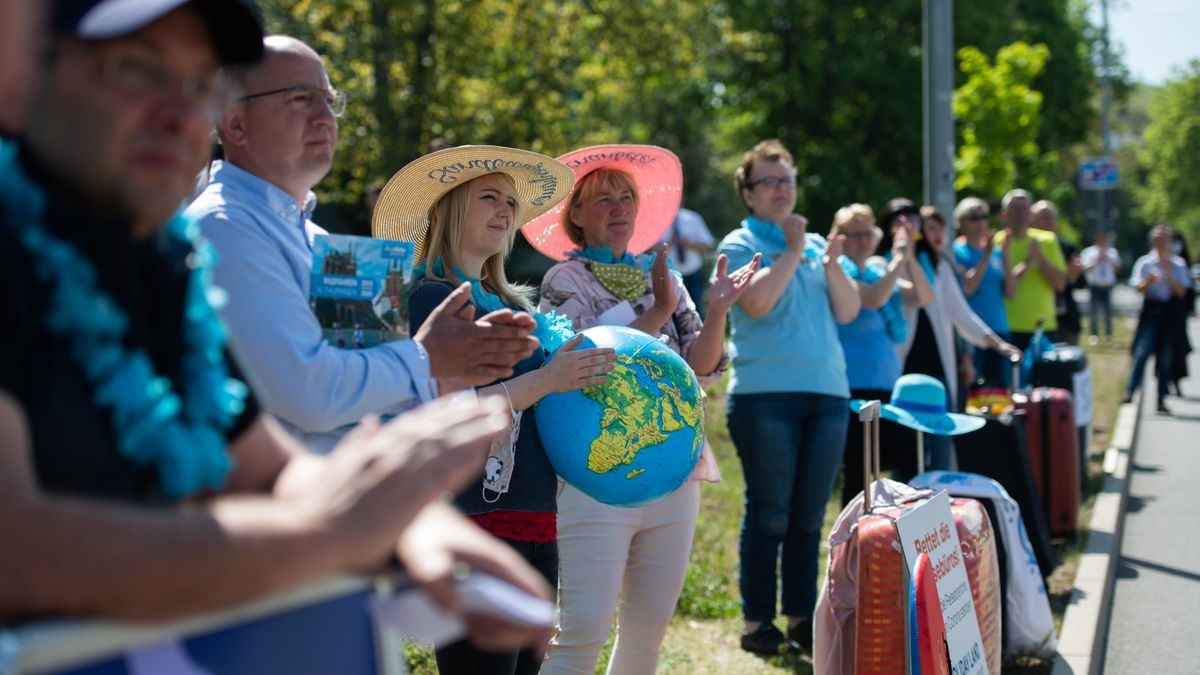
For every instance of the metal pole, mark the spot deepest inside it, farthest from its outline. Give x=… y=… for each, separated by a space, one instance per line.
x=1106 y=103
x=937 y=41
x=920 y=452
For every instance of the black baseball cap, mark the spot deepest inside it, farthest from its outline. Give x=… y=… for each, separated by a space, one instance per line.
x=234 y=25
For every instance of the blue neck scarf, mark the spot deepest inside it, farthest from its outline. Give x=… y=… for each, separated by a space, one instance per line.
x=927 y=265
x=552 y=330
x=604 y=256
x=766 y=231
x=892 y=311
x=484 y=300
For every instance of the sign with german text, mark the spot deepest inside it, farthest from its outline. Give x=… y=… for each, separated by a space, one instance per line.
x=929 y=529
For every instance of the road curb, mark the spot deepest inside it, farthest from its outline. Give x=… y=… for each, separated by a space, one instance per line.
x=1085 y=624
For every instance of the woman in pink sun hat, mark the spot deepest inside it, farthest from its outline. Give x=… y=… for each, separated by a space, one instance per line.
x=625 y=198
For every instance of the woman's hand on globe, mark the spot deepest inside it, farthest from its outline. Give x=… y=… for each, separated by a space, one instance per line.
x=573 y=368
x=727 y=288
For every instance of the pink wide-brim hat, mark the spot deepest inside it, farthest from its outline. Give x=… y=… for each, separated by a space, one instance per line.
x=659 y=178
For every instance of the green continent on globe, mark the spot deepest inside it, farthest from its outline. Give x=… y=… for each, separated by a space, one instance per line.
x=637 y=417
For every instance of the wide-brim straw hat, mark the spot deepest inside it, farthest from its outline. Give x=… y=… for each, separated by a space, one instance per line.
x=919 y=402
x=402 y=211
x=659 y=177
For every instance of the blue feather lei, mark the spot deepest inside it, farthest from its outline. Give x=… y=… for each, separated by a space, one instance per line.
x=181 y=436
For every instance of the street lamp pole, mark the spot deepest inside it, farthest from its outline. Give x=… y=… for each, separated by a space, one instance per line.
x=1106 y=109
x=937 y=41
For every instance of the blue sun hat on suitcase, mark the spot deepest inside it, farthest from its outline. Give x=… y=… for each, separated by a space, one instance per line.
x=919 y=402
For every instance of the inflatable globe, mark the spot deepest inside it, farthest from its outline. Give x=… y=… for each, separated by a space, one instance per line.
x=636 y=437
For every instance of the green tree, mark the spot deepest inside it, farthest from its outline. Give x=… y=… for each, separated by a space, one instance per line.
x=1171 y=156
x=998 y=114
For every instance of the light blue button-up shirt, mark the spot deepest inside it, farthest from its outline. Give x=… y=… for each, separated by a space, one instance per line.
x=264 y=239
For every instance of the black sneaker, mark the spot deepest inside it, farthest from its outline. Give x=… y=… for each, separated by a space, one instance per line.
x=802 y=634
x=767 y=640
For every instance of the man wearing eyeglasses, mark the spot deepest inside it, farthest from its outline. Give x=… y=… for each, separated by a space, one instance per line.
x=138 y=477
x=279 y=139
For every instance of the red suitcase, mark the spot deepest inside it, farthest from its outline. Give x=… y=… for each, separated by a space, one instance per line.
x=1053 y=446
x=881 y=631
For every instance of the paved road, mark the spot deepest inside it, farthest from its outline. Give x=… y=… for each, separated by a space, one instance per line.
x=1155 y=621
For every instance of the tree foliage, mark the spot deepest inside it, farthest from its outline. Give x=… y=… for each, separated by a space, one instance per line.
x=839 y=83
x=998 y=114
x=1171 y=156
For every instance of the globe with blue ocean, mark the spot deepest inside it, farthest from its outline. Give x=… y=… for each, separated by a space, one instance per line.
x=635 y=438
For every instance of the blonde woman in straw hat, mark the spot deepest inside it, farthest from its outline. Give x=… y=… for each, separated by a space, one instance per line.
x=462 y=207
x=625 y=198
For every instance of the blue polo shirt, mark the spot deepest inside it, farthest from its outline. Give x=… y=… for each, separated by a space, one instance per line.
x=988 y=301
x=795 y=346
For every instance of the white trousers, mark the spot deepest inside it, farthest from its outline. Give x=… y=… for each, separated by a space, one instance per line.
x=639 y=554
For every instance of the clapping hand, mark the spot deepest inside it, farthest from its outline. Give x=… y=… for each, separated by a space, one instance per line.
x=836 y=245
x=440 y=545
x=989 y=242
x=727 y=288
x=471 y=352
x=794 y=227
x=901 y=244
x=661 y=283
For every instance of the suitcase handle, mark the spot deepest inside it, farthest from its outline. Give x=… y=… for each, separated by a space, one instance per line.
x=868 y=414
x=920 y=452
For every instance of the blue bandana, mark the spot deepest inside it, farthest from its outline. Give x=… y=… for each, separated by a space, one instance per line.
x=552 y=330
x=892 y=310
x=604 y=256
x=766 y=231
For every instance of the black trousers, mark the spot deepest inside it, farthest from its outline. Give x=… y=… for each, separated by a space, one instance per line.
x=464 y=658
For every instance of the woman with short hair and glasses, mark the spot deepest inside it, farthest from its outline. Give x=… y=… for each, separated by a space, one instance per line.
x=987 y=281
x=886 y=287
x=788 y=395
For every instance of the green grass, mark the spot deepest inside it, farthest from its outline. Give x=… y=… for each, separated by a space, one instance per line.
x=703 y=636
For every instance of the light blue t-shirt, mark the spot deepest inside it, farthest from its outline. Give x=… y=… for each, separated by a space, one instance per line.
x=988 y=301
x=795 y=346
x=875 y=365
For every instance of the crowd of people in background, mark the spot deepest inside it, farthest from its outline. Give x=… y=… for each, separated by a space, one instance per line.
x=274 y=438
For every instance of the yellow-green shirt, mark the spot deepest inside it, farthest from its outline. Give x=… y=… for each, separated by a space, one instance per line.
x=1035 y=295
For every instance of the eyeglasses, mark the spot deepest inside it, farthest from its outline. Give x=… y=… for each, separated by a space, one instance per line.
x=773 y=182
x=910 y=214
x=860 y=235
x=139 y=75
x=978 y=216
x=303 y=98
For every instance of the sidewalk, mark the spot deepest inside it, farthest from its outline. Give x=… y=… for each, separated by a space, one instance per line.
x=1154 y=624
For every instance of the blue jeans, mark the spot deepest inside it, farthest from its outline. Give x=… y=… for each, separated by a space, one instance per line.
x=1153 y=338
x=1101 y=302
x=790 y=445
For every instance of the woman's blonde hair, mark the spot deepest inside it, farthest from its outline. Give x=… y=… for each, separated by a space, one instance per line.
x=613 y=180
x=446 y=218
x=855 y=213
